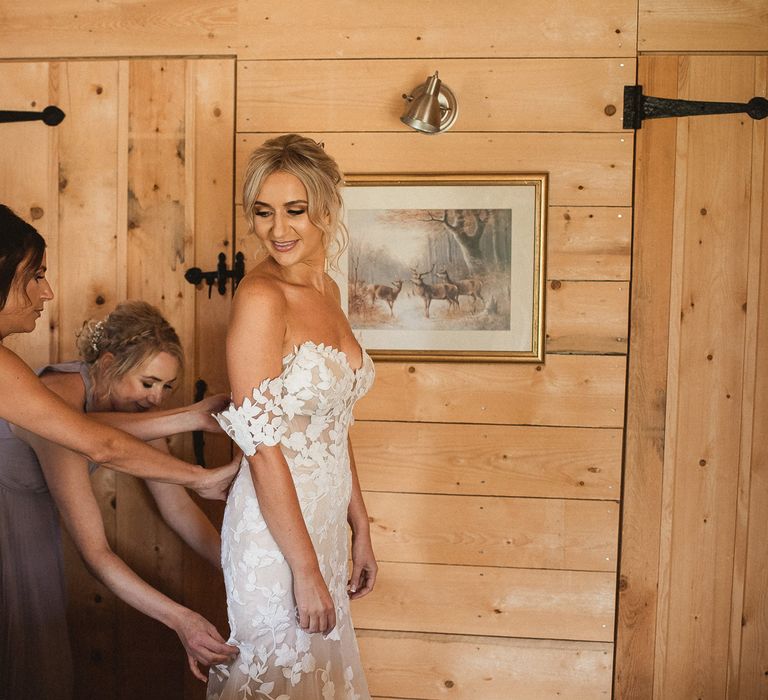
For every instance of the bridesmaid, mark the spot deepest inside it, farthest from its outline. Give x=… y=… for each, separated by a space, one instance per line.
x=27 y=403
x=131 y=361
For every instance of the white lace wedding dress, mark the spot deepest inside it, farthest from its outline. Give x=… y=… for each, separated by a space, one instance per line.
x=308 y=411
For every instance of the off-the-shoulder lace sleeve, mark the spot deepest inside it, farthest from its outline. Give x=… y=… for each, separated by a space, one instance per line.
x=258 y=421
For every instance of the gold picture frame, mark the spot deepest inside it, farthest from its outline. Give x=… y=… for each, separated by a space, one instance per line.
x=446 y=267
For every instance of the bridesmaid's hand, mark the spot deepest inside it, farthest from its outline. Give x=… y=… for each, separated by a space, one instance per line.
x=314 y=605
x=202 y=411
x=202 y=642
x=364 y=566
x=214 y=483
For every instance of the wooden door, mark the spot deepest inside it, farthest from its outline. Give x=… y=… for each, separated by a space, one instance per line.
x=132 y=189
x=692 y=619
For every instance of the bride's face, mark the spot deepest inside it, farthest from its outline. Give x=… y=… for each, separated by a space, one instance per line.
x=25 y=302
x=145 y=386
x=281 y=221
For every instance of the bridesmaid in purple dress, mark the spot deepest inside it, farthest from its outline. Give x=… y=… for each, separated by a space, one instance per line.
x=34 y=650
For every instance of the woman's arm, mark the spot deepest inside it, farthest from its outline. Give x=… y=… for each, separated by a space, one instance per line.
x=67 y=477
x=151 y=425
x=29 y=404
x=185 y=518
x=254 y=352
x=364 y=567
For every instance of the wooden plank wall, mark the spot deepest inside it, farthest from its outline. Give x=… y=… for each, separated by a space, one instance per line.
x=692 y=607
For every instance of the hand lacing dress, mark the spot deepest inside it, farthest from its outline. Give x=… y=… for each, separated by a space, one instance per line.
x=307 y=410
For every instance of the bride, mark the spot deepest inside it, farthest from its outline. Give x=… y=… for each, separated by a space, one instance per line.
x=296 y=371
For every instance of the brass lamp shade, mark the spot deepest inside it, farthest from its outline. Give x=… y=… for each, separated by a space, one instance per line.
x=432 y=107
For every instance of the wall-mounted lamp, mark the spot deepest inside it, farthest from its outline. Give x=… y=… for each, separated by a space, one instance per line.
x=432 y=107
x=638 y=107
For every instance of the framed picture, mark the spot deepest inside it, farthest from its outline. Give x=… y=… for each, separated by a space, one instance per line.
x=446 y=267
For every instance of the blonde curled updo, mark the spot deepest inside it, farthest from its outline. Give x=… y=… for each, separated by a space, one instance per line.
x=318 y=172
x=132 y=333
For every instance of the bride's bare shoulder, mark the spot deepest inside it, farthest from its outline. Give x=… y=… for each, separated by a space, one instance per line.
x=261 y=284
x=260 y=300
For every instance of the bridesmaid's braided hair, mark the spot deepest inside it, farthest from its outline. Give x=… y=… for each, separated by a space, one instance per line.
x=318 y=172
x=133 y=332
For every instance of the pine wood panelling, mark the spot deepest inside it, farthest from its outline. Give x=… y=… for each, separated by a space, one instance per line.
x=586 y=169
x=367 y=95
x=566 y=390
x=336 y=29
x=77 y=28
x=646 y=409
x=588 y=243
x=746 y=669
x=466 y=668
x=212 y=85
x=689 y=574
x=160 y=235
x=708 y=326
x=28 y=186
x=400 y=28
x=741 y=563
x=587 y=317
x=536 y=603
x=88 y=171
x=490 y=460
x=753 y=622
x=516 y=532
x=703 y=25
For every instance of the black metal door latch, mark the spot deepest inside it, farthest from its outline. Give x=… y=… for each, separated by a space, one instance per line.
x=219 y=276
x=51 y=115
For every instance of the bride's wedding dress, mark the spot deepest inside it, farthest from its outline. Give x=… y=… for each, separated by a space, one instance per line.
x=308 y=411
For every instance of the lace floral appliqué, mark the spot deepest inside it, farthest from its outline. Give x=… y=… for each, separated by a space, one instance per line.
x=260 y=420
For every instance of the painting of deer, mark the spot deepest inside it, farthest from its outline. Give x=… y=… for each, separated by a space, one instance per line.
x=385 y=293
x=470 y=287
x=428 y=292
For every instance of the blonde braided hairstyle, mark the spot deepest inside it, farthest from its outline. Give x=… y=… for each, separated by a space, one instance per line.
x=132 y=333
